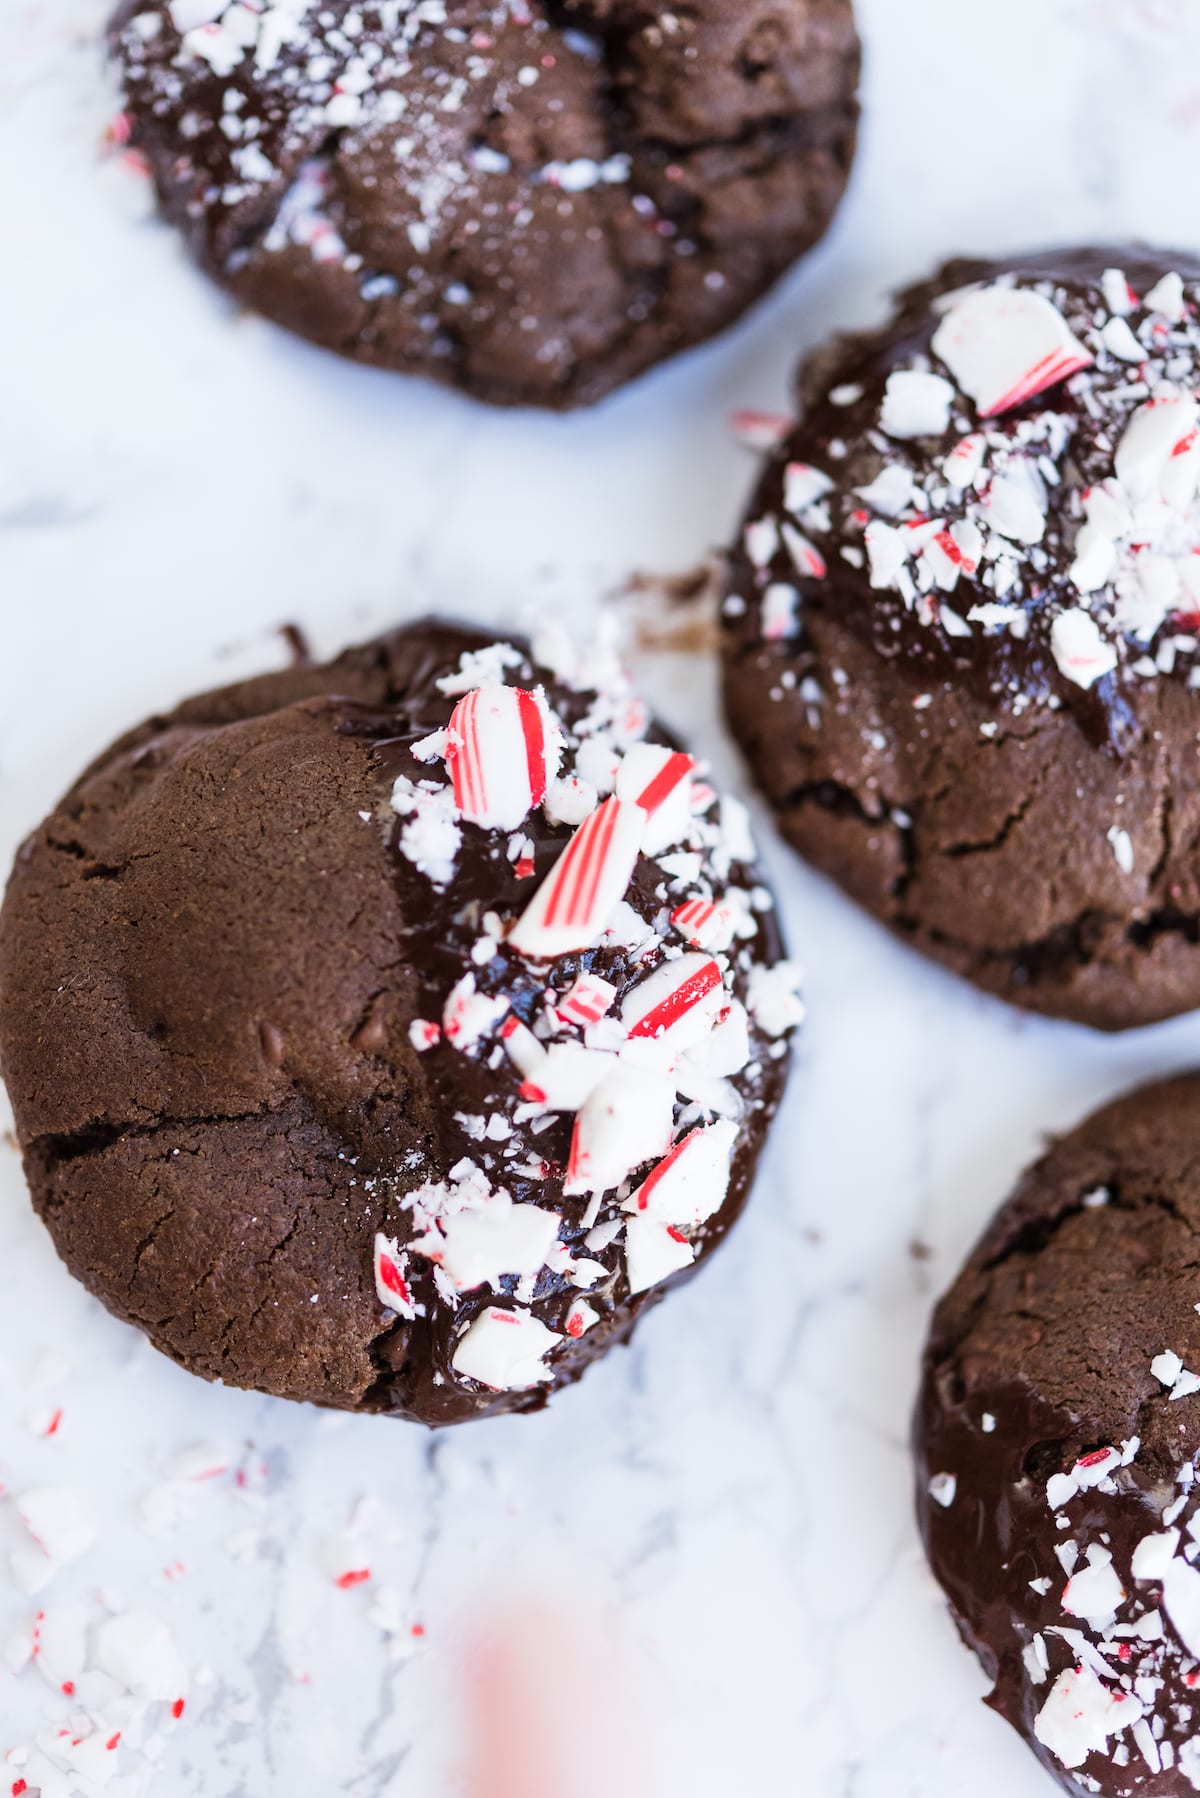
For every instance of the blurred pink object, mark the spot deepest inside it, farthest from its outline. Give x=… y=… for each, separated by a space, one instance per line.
x=533 y=1675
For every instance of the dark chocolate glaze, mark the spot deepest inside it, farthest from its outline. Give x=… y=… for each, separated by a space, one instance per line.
x=1034 y=834
x=993 y=665
x=1086 y=1274
x=276 y=1027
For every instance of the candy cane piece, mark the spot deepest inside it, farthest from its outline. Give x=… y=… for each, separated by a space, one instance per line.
x=1159 y=452
x=659 y=781
x=391 y=1278
x=506 y=1350
x=677 y=1005
x=589 y=1000
x=1003 y=345
x=690 y=1184
x=499 y=755
x=653 y=1252
x=625 y=1123
x=575 y=902
x=702 y=923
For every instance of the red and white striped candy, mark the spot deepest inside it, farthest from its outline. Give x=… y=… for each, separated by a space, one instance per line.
x=391 y=1278
x=626 y=1122
x=575 y=902
x=677 y=1005
x=965 y=461
x=424 y=1034
x=589 y=1000
x=501 y=755
x=1003 y=345
x=659 y=781
x=702 y=923
x=1159 y=453
x=691 y=1183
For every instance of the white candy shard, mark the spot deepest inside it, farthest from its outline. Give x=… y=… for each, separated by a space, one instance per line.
x=943 y=1489
x=1159 y=453
x=1181 y=1601
x=506 y=1350
x=1081 y=652
x=432 y=837
x=916 y=405
x=890 y=492
x=963 y=465
x=477 y=1235
x=653 y=1252
x=803 y=486
x=1095 y=1592
x=470 y=1014
x=773 y=997
x=1167 y=298
x=1003 y=345
x=1015 y=504
x=626 y=1122
x=1081 y=1714
x=566 y=1077
x=57 y=1521
x=60 y=1645
x=1166 y=1367
x=1153 y=1554
x=780 y=611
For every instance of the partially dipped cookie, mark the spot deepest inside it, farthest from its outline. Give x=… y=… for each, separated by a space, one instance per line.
x=1058 y=1450
x=961 y=631
x=530 y=201
x=391 y=1034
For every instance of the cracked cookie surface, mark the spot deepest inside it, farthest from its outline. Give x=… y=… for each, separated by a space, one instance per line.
x=1057 y=1437
x=390 y=1034
x=533 y=202
x=961 y=628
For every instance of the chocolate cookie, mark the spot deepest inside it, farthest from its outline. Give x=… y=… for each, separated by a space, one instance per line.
x=1058 y=1443
x=391 y=1034
x=533 y=200
x=961 y=628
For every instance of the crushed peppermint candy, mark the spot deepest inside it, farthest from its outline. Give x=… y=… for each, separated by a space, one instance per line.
x=602 y=1019
x=1111 y=1639
x=1029 y=474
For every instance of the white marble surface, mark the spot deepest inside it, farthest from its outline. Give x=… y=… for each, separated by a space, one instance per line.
x=714 y=1532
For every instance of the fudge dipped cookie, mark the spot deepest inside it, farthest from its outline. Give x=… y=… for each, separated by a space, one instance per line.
x=530 y=201
x=393 y=1033
x=1058 y=1444
x=962 y=623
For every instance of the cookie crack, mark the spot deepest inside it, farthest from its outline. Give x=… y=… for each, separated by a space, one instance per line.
x=57 y=1148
